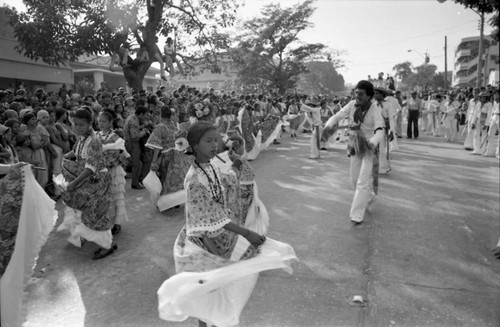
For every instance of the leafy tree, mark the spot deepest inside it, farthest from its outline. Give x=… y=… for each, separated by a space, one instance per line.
x=403 y=70
x=269 y=47
x=61 y=31
x=321 y=77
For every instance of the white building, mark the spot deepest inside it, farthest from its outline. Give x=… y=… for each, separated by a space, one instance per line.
x=466 y=59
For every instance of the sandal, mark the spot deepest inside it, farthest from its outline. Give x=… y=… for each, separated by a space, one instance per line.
x=103 y=253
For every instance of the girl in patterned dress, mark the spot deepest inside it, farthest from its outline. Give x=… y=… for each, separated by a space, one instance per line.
x=216 y=254
x=114 y=157
x=162 y=138
x=89 y=214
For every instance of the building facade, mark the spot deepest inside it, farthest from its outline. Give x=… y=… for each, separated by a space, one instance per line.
x=467 y=58
x=83 y=76
x=16 y=68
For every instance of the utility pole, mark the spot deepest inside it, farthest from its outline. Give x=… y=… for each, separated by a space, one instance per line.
x=479 y=79
x=446 y=62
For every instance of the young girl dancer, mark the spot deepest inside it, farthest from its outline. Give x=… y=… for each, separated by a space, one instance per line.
x=113 y=147
x=217 y=257
x=89 y=214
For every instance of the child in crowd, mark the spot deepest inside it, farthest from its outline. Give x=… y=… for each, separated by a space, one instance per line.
x=114 y=157
x=24 y=150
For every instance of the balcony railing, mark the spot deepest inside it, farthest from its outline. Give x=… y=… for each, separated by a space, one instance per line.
x=462 y=53
x=462 y=66
x=461 y=80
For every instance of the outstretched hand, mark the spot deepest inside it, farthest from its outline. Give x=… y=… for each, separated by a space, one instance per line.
x=255 y=239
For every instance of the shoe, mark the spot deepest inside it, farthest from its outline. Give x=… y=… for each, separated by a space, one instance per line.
x=323 y=148
x=399 y=136
x=138 y=187
x=475 y=153
x=116 y=229
x=103 y=253
x=276 y=142
x=408 y=137
x=356 y=221
x=386 y=172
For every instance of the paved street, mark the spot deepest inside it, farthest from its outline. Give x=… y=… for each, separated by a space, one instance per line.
x=422 y=258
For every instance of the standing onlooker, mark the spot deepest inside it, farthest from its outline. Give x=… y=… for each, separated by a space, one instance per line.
x=480 y=122
x=133 y=132
x=414 y=107
x=470 y=117
x=399 y=119
x=451 y=107
x=37 y=144
x=494 y=129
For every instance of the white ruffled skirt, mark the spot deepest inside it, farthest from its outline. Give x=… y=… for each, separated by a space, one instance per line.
x=118 y=193
x=73 y=223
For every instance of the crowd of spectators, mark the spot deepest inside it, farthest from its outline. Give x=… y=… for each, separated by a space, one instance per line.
x=36 y=127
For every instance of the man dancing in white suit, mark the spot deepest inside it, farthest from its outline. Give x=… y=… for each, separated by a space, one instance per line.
x=367 y=131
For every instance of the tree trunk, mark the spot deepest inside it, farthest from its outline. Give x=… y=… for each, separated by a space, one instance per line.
x=135 y=78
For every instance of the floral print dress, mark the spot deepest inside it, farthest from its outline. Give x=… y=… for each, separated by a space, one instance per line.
x=209 y=193
x=89 y=214
x=162 y=137
x=114 y=161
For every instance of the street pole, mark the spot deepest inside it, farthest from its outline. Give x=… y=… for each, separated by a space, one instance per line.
x=446 y=62
x=479 y=78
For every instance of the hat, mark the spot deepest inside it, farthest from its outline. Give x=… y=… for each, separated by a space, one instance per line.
x=312 y=102
x=484 y=94
x=385 y=92
x=3 y=129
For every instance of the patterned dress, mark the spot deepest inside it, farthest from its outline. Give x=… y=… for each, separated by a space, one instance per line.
x=215 y=286
x=27 y=216
x=89 y=214
x=172 y=171
x=11 y=199
x=114 y=161
x=209 y=194
x=162 y=137
x=36 y=136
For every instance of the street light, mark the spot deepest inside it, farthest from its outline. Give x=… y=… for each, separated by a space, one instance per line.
x=426 y=57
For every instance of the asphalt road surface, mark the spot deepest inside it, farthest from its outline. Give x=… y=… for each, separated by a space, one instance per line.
x=422 y=257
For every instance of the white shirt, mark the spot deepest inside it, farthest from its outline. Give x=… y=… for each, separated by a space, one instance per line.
x=495 y=114
x=483 y=110
x=373 y=119
x=433 y=106
x=472 y=108
x=315 y=113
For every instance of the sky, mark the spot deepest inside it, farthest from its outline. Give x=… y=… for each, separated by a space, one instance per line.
x=375 y=35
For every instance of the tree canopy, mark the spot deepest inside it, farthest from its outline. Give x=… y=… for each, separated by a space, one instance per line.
x=61 y=31
x=486 y=7
x=424 y=76
x=269 y=48
x=321 y=77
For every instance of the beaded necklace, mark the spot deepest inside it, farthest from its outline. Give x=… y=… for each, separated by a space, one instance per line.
x=215 y=187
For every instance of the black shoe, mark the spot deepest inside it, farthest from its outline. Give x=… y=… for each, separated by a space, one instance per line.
x=323 y=148
x=116 y=229
x=103 y=253
x=138 y=187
